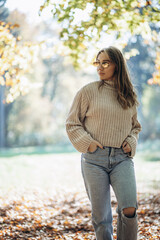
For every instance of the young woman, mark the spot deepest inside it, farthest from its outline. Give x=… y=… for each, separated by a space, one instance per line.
x=102 y=124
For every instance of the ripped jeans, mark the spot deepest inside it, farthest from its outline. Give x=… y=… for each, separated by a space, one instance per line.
x=100 y=170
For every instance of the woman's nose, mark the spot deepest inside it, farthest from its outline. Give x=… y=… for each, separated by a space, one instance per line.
x=100 y=66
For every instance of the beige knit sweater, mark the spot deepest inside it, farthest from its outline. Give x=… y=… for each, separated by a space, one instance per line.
x=97 y=115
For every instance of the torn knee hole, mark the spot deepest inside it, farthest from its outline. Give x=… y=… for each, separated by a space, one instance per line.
x=129 y=212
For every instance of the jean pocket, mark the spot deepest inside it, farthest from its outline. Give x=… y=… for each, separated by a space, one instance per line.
x=93 y=151
x=126 y=154
x=121 y=155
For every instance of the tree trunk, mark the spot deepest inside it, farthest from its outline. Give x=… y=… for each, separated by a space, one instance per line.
x=2 y=117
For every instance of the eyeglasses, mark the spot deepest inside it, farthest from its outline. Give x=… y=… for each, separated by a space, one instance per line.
x=104 y=64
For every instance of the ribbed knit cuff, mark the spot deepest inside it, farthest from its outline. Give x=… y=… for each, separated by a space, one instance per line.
x=133 y=144
x=83 y=144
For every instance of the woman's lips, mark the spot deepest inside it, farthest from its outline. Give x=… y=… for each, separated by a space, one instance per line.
x=100 y=73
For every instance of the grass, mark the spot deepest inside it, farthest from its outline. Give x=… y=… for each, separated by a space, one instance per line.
x=151 y=157
x=148 y=151
x=11 y=152
x=57 y=171
x=58 y=167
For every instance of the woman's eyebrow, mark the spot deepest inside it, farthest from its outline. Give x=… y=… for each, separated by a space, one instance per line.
x=106 y=60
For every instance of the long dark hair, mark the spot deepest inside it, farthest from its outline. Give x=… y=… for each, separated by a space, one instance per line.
x=126 y=94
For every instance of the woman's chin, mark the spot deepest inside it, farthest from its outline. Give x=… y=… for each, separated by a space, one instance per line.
x=102 y=78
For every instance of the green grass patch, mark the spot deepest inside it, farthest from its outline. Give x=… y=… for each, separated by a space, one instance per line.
x=149 y=150
x=150 y=156
x=11 y=152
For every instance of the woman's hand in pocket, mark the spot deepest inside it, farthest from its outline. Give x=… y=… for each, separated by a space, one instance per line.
x=126 y=147
x=93 y=146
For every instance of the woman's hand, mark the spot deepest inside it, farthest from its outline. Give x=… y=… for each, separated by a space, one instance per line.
x=93 y=146
x=126 y=147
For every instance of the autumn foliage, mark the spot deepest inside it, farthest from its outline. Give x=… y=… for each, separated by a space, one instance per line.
x=156 y=75
x=16 y=60
x=66 y=216
x=86 y=24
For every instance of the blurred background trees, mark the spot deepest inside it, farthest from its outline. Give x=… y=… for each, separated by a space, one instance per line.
x=36 y=92
x=84 y=23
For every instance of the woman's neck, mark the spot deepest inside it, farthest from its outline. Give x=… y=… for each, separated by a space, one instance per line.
x=109 y=82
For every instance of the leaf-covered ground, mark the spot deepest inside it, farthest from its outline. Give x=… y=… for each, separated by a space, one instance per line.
x=66 y=216
x=43 y=197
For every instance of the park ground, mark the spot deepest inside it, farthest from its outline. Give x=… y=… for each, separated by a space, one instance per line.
x=43 y=197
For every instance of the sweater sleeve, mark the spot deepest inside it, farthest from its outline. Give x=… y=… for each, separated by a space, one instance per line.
x=132 y=138
x=77 y=134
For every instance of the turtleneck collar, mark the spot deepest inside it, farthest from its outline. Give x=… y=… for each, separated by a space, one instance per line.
x=109 y=83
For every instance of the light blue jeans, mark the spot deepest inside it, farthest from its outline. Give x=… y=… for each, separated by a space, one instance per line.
x=100 y=170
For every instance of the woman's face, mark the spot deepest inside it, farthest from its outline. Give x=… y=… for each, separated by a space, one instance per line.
x=108 y=72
